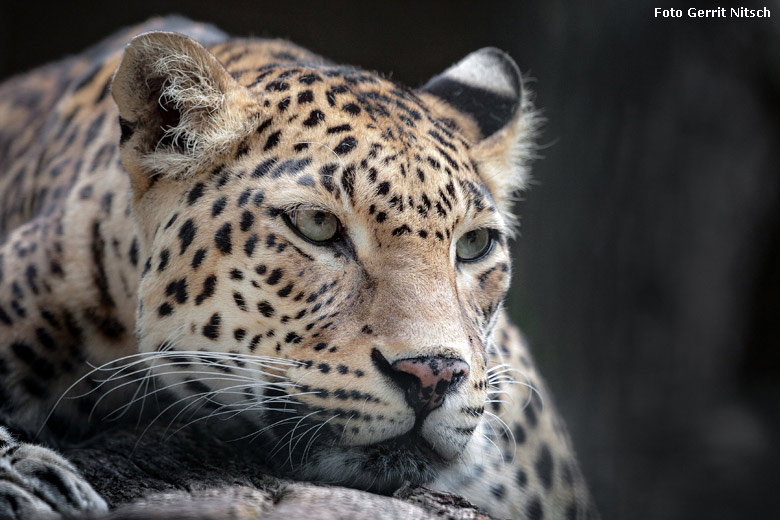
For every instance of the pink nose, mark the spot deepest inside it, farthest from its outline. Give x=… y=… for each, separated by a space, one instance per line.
x=425 y=380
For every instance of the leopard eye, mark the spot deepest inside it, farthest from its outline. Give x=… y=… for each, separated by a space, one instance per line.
x=313 y=224
x=474 y=245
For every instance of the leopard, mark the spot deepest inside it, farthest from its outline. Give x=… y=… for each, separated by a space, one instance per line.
x=311 y=251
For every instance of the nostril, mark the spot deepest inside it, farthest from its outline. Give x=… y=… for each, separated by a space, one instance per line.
x=459 y=373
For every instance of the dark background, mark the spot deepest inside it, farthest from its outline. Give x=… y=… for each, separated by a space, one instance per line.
x=647 y=275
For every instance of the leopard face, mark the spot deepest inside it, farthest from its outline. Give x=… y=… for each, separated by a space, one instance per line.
x=325 y=250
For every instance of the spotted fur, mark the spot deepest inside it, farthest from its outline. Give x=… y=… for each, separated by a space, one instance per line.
x=145 y=201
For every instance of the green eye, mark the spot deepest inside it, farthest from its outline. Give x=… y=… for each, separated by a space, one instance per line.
x=474 y=245
x=314 y=224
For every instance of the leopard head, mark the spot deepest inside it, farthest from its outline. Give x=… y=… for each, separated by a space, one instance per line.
x=326 y=250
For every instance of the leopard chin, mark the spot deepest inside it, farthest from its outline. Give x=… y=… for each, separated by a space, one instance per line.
x=310 y=449
x=379 y=468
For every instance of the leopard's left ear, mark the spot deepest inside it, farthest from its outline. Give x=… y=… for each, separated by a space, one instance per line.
x=484 y=92
x=179 y=109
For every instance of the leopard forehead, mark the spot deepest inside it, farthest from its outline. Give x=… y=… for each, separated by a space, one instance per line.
x=356 y=139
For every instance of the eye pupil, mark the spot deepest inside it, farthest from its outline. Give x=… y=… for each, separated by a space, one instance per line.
x=319 y=218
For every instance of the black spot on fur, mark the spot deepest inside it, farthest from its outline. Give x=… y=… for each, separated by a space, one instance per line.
x=263 y=168
x=272 y=140
x=208 y=289
x=265 y=309
x=240 y=302
x=211 y=330
x=339 y=129
x=277 y=86
x=249 y=245
x=247 y=219
x=521 y=478
x=309 y=78
x=178 y=289
x=315 y=117
x=186 y=235
x=534 y=510
x=244 y=197
x=345 y=146
x=195 y=193
x=171 y=221
x=165 y=309
x=530 y=415
x=133 y=252
x=352 y=109
x=544 y=466
x=218 y=206
x=401 y=230
x=274 y=277
x=5 y=318
x=94 y=128
x=348 y=181
x=265 y=124
x=306 y=180
x=519 y=434
x=222 y=238
x=198 y=257
x=164 y=257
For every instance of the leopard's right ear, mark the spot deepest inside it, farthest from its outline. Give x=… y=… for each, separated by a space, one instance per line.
x=485 y=93
x=180 y=111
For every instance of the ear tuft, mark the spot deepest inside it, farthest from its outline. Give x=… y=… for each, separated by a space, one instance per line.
x=487 y=88
x=179 y=108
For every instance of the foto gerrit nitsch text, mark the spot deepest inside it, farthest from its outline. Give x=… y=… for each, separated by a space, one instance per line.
x=717 y=12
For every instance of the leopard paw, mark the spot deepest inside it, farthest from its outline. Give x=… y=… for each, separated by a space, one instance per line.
x=36 y=482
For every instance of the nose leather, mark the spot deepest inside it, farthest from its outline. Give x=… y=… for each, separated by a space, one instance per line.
x=425 y=381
